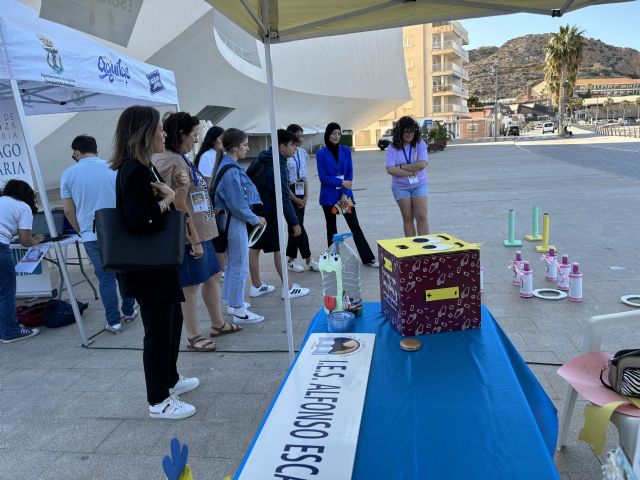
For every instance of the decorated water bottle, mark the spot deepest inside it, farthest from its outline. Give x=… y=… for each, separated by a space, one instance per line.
x=575 y=283
x=481 y=279
x=551 y=259
x=516 y=264
x=526 y=280
x=340 y=269
x=564 y=267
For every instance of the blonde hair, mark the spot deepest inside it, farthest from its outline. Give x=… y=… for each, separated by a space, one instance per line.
x=134 y=135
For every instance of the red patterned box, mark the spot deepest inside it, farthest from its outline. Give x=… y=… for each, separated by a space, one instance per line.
x=430 y=283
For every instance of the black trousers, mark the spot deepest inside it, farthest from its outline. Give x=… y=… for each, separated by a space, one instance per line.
x=300 y=243
x=162 y=329
x=366 y=255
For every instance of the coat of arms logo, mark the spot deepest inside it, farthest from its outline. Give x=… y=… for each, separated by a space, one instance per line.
x=54 y=59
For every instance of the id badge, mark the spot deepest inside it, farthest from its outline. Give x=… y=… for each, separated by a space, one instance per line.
x=413 y=180
x=299 y=188
x=199 y=202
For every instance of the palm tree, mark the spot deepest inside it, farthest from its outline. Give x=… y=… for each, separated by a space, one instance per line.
x=637 y=102
x=574 y=103
x=563 y=55
x=624 y=104
x=607 y=103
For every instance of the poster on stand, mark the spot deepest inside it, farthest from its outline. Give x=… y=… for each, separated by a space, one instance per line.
x=31 y=259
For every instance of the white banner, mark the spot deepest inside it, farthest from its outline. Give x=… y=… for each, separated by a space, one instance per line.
x=312 y=430
x=14 y=158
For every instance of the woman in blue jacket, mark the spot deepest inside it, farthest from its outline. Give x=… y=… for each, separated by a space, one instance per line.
x=335 y=170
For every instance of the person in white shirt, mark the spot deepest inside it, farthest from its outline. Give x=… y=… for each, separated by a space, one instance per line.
x=299 y=192
x=85 y=187
x=17 y=206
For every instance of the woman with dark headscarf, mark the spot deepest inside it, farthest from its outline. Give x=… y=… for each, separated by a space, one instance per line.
x=335 y=170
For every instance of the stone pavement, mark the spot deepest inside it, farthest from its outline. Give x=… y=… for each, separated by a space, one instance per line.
x=68 y=412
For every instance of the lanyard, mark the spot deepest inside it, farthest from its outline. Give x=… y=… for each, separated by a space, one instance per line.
x=408 y=159
x=297 y=160
x=194 y=170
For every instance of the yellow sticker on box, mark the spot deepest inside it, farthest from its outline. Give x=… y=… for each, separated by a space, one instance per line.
x=388 y=265
x=436 y=294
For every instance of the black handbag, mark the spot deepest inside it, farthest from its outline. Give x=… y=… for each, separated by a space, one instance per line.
x=223 y=217
x=121 y=250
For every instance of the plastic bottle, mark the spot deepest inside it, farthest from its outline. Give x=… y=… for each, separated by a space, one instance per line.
x=517 y=265
x=551 y=259
x=340 y=269
x=564 y=267
x=575 y=283
x=526 y=281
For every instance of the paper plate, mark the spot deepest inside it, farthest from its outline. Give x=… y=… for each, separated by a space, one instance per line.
x=549 y=294
x=256 y=233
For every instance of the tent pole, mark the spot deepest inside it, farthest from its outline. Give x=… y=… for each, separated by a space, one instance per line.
x=282 y=226
x=62 y=261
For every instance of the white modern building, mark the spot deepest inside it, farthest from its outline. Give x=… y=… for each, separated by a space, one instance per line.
x=350 y=79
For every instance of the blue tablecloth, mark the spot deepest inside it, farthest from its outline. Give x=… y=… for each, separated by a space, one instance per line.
x=465 y=406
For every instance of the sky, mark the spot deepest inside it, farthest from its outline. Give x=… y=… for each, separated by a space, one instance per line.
x=615 y=24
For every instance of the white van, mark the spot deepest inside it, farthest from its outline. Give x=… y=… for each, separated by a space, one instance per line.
x=548 y=127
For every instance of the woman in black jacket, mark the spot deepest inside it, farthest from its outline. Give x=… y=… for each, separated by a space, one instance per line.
x=143 y=198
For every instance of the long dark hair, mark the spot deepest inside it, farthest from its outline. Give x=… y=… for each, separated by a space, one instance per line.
x=21 y=191
x=175 y=125
x=405 y=123
x=209 y=141
x=134 y=135
x=232 y=137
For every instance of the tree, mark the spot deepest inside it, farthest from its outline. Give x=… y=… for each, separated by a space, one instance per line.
x=474 y=101
x=574 y=103
x=637 y=102
x=563 y=55
x=607 y=103
x=624 y=104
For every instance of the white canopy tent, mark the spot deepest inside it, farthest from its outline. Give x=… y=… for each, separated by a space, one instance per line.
x=276 y=21
x=49 y=68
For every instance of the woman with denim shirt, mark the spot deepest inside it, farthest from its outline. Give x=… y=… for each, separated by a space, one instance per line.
x=236 y=194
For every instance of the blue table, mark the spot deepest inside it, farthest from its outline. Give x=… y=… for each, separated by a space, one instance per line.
x=465 y=406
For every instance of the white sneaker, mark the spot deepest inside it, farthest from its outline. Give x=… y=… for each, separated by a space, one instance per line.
x=130 y=318
x=245 y=305
x=184 y=385
x=115 y=329
x=242 y=315
x=172 y=409
x=313 y=266
x=261 y=290
x=294 y=267
x=296 y=291
x=373 y=264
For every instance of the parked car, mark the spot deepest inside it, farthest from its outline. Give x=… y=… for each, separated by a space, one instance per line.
x=514 y=130
x=537 y=125
x=548 y=127
x=385 y=139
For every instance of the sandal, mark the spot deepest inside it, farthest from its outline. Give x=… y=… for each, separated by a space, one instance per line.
x=225 y=329
x=200 y=344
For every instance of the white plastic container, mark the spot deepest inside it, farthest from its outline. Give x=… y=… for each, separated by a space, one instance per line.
x=564 y=267
x=575 y=284
x=340 y=269
x=516 y=264
x=551 y=259
x=526 y=281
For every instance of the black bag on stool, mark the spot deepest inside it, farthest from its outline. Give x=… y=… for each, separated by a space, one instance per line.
x=624 y=373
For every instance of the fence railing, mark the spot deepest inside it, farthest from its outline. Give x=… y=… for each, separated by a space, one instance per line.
x=632 y=131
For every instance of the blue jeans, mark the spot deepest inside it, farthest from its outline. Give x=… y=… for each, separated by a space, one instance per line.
x=108 y=292
x=9 y=327
x=237 y=263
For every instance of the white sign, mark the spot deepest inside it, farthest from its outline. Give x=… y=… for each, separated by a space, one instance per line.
x=31 y=259
x=312 y=429
x=14 y=158
x=448 y=119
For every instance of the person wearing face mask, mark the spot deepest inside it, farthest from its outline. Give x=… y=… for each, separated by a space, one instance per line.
x=335 y=169
x=406 y=163
x=200 y=267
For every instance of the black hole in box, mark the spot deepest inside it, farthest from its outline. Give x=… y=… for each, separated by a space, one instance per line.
x=421 y=240
x=402 y=247
x=430 y=247
x=444 y=237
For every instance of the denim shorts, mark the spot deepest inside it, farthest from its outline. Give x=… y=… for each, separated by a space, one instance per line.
x=419 y=191
x=196 y=271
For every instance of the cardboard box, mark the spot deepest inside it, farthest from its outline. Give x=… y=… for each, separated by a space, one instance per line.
x=430 y=284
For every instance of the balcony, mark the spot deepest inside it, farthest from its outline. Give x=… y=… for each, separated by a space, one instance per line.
x=455 y=27
x=450 y=108
x=450 y=89
x=450 y=68
x=450 y=46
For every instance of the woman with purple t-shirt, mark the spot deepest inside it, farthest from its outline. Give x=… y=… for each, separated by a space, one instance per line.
x=406 y=163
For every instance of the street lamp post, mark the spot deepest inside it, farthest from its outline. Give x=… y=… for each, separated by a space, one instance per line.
x=494 y=71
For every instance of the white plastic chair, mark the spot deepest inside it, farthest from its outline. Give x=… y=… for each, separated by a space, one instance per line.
x=627 y=426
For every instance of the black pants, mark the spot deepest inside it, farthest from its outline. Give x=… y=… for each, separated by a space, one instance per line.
x=366 y=255
x=298 y=243
x=162 y=329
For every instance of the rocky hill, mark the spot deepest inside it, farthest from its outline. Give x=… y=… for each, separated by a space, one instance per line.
x=520 y=62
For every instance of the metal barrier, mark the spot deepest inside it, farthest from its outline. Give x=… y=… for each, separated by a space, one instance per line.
x=632 y=131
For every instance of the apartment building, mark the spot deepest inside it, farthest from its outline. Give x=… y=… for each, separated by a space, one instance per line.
x=435 y=59
x=600 y=87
